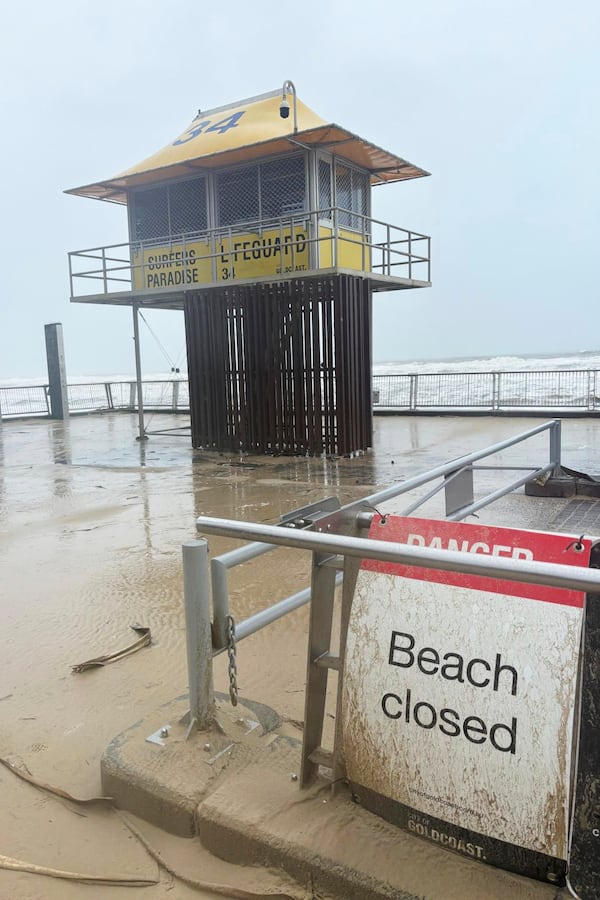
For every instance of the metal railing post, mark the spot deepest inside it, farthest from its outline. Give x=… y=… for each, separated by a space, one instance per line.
x=334 y=234
x=196 y=594
x=555 y=446
x=319 y=643
x=212 y=249
x=220 y=589
x=220 y=592
x=104 y=277
x=71 y=274
x=175 y=396
x=496 y=390
x=363 y=243
x=389 y=251
x=428 y=259
x=412 y=402
x=109 y=397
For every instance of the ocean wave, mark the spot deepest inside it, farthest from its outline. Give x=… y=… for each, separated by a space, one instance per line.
x=567 y=361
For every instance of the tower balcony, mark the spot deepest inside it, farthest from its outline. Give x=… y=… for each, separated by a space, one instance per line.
x=331 y=241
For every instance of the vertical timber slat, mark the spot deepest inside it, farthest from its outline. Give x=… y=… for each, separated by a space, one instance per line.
x=281 y=367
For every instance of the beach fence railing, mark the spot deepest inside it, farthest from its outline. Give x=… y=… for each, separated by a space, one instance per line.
x=546 y=392
x=333 y=532
x=25 y=400
x=550 y=390
x=104 y=396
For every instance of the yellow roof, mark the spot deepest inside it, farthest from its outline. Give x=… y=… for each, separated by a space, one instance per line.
x=247 y=130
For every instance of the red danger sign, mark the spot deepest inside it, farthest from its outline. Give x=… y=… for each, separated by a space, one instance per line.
x=503 y=543
x=459 y=694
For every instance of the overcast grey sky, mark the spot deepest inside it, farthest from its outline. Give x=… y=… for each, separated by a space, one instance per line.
x=498 y=100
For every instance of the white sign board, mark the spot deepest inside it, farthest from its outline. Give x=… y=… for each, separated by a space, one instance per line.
x=459 y=694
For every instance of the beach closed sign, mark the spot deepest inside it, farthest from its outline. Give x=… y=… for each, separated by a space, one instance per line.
x=459 y=696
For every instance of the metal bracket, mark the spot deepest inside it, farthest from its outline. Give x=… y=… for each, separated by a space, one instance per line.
x=159 y=737
x=305 y=516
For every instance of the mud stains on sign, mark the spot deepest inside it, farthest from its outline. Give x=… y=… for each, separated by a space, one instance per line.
x=459 y=694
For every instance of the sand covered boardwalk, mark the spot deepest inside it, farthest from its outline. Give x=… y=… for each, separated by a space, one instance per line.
x=91 y=527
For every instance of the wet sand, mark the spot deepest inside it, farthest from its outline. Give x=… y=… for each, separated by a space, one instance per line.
x=91 y=527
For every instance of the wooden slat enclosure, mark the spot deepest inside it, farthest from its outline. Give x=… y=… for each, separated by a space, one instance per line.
x=281 y=367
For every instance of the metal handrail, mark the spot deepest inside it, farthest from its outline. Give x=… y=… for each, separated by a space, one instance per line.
x=347 y=227
x=309 y=529
x=462 y=462
x=549 y=574
x=26 y=400
x=464 y=390
x=23 y=401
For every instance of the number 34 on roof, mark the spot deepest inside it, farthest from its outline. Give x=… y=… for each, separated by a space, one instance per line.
x=206 y=126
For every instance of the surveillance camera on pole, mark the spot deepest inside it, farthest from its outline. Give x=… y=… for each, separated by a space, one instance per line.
x=284 y=106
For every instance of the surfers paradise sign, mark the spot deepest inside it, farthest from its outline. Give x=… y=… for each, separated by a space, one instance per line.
x=459 y=696
x=178 y=265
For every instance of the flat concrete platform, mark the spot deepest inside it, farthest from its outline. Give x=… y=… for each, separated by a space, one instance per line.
x=236 y=789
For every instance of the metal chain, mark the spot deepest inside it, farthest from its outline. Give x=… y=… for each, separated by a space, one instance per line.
x=233 y=688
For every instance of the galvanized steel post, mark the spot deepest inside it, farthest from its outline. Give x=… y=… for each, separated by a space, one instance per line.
x=196 y=593
x=142 y=436
x=555 y=446
x=218 y=570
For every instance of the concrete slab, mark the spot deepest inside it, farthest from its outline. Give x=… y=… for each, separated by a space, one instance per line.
x=330 y=844
x=163 y=778
x=236 y=788
x=564 y=486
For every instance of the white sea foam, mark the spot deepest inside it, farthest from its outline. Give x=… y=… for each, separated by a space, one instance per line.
x=36 y=381
x=469 y=384
x=585 y=359
x=567 y=361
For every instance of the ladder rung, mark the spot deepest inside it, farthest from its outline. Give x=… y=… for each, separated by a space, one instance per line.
x=333 y=562
x=328 y=661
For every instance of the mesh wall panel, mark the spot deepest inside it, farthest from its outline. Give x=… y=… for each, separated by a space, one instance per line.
x=264 y=191
x=360 y=193
x=187 y=206
x=282 y=187
x=351 y=194
x=151 y=214
x=343 y=193
x=325 y=193
x=171 y=209
x=238 y=196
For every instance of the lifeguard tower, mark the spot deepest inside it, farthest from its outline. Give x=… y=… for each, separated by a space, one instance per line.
x=256 y=222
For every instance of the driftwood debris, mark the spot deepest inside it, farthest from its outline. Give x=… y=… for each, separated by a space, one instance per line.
x=58 y=792
x=20 y=865
x=144 y=640
x=221 y=890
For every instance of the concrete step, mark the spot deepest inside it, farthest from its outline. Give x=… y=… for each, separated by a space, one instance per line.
x=236 y=788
